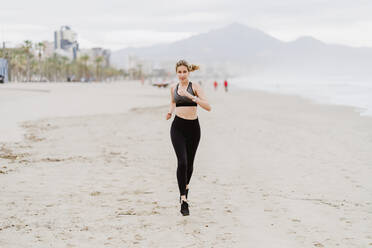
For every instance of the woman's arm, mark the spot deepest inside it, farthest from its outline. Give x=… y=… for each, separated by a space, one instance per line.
x=172 y=105
x=201 y=98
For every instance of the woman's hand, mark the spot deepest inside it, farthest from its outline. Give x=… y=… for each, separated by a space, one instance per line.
x=169 y=115
x=183 y=92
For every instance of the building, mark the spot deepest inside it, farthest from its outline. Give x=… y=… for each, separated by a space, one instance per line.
x=65 y=42
x=95 y=52
x=3 y=70
x=135 y=63
x=100 y=52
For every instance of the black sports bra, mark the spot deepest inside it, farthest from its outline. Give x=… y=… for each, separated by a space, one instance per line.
x=183 y=100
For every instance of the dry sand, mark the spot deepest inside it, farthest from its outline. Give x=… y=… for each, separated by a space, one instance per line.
x=271 y=171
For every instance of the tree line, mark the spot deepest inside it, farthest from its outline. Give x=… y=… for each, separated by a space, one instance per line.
x=28 y=63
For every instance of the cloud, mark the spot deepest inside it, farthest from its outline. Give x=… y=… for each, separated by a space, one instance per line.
x=111 y=23
x=14 y=34
x=138 y=37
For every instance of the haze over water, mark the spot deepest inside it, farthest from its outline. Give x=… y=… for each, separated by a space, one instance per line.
x=339 y=91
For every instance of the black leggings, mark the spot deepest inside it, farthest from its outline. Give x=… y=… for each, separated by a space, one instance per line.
x=185 y=136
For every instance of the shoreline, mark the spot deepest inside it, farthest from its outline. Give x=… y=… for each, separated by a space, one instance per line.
x=364 y=109
x=310 y=100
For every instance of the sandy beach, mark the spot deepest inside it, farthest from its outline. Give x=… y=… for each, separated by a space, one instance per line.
x=93 y=166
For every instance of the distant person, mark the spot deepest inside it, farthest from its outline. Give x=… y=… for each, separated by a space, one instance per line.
x=185 y=129
x=215 y=84
x=225 y=84
x=200 y=82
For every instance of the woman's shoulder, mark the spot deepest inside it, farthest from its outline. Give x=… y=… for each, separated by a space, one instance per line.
x=195 y=85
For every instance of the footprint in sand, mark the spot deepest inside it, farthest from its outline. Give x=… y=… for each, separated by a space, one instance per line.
x=123 y=199
x=317 y=244
x=128 y=212
x=138 y=237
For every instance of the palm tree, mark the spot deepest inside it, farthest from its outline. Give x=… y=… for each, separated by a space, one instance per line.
x=40 y=47
x=98 y=62
x=64 y=67
x=27 y=52
x=24 y=66
x=84 y=59
x=53 y=67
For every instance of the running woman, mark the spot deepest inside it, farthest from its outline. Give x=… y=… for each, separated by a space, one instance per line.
x=215 y=84
x=185 y=129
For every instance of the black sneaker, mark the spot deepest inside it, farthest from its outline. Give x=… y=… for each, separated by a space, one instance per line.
x=185 y=208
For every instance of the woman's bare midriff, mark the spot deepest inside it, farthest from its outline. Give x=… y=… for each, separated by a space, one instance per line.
x=187 y=112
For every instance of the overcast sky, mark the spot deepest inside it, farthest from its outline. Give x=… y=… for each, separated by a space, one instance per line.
x=118 y=24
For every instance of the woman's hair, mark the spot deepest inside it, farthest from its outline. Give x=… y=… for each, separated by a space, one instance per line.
x=191 y=67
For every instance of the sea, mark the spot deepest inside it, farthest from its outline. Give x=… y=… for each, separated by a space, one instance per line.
x=337 y=90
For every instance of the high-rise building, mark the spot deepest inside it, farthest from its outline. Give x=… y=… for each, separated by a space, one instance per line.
x=66 y=40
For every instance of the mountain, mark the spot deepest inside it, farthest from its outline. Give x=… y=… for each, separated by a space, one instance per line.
x=233 y=42
x=308 y=55
x=238 y=47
